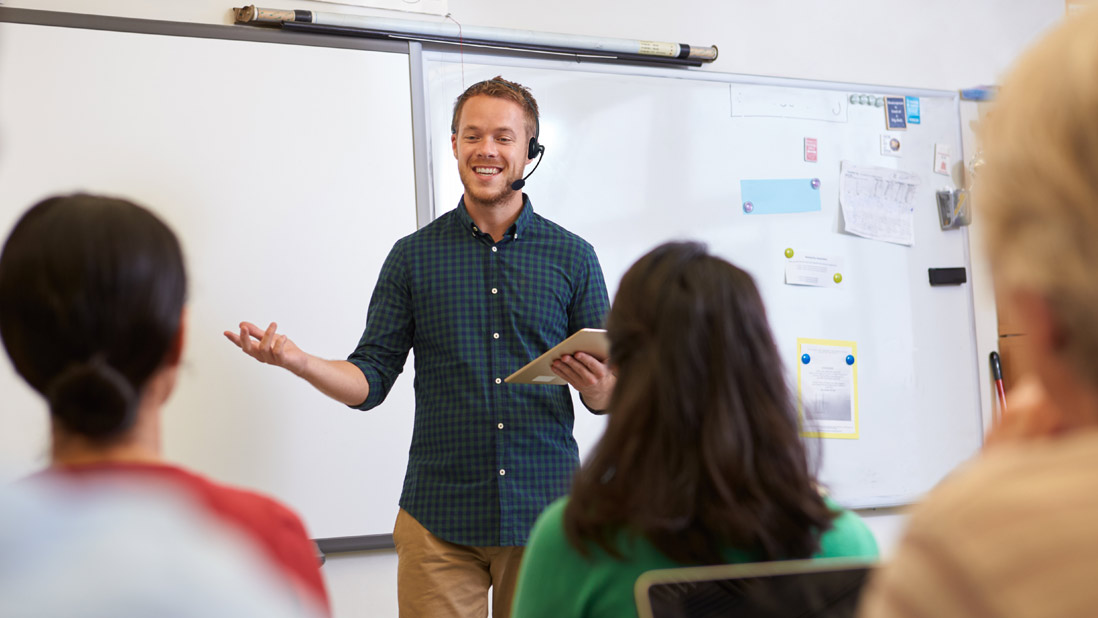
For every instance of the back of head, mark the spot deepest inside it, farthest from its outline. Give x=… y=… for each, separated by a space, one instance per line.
x=702 y=449
x=1038 y=192
x=91 y=294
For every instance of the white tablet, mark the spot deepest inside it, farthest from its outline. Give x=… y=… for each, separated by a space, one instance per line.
x=592 y=341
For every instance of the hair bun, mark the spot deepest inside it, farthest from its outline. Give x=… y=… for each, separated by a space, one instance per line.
x=93 y=399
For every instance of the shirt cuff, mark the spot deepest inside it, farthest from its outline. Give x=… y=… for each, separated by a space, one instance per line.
x=590 y=409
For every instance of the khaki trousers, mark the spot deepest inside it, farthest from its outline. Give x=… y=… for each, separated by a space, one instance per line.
x=437 y=579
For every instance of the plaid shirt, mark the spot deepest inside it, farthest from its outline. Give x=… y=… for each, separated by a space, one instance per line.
x=486 y=456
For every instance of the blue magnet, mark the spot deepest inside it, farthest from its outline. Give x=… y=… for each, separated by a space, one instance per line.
x=748 y=207
x=805 y=358
x=815 y=183
x=849 y=359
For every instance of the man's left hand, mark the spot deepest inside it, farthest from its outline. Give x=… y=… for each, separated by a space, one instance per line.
x=588 y=375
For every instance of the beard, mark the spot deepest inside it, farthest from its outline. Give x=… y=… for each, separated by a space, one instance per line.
x=490 y=196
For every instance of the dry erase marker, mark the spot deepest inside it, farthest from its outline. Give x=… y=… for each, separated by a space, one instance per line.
x=997 y=377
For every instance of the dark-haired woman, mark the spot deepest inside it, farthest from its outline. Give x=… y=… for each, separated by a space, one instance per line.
x=91 y=314
x=701 y=462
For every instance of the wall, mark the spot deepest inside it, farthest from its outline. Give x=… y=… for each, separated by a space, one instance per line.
x=932 y=44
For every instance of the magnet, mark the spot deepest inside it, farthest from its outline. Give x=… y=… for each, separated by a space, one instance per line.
x=805 y=358
x=789 y=253
x=849 y=359
x=838 y=277
x=748 y=207
x=815 y=183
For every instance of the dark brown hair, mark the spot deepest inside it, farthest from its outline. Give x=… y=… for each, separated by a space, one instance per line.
x=702 y=451
x=91 y=293
x=501 y=89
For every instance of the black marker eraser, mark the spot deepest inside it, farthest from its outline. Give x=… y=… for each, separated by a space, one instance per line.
x=947 y=276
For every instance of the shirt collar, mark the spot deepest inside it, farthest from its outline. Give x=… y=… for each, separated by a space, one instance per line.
x=520 y=228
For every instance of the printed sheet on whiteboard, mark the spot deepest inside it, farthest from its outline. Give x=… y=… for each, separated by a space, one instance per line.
x=878 y=203
x=592 y=341
x=827 y=388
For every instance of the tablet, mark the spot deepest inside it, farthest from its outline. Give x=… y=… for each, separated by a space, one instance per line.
x=593 y=341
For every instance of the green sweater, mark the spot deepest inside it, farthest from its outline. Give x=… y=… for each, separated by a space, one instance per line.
x=556 y=581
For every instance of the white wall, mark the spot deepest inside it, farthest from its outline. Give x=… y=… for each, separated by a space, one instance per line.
x=933 y=44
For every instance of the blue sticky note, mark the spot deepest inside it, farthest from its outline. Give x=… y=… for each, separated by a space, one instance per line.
x=780 y=197
x=895 y=113
x=912 y=104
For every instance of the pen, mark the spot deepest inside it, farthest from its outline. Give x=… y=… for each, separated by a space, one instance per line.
x=997 y=377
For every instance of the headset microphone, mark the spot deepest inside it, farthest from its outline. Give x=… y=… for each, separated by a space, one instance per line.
x=521 y=182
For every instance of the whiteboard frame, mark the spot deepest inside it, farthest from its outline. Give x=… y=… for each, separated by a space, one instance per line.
x=504 y=58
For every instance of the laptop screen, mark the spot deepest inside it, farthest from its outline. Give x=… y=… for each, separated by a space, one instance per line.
x=826 y=588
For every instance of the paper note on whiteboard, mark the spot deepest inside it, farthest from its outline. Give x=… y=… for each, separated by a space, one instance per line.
x=878 y=203
x=827 y=387
x=780 y=196
x=782 y=102
x=816 y=270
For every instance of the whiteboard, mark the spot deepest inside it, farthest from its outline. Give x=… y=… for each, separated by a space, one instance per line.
x=635 y=157
x=287 y=172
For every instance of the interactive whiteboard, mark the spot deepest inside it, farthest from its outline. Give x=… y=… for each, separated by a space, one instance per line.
x=635 y=157
x=287 y=172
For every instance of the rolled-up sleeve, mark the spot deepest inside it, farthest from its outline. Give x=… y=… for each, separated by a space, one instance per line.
x=383 y=348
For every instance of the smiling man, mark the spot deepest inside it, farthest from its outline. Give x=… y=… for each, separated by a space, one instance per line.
x=477 y=293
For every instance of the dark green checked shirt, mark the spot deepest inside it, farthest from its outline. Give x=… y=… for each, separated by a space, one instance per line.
x=486 y=456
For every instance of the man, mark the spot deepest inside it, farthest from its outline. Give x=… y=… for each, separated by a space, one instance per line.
x=1013 y=535
x=478 y=293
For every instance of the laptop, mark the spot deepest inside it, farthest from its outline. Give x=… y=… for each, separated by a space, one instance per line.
x=819 y=588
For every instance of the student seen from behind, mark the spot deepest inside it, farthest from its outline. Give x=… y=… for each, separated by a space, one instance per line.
x=91 y=313
x=1013 y=534
x=702 y=461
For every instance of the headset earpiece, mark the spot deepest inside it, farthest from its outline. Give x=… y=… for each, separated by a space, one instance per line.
x=534 y=149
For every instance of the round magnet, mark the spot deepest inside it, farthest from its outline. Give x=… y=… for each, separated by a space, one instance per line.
x=863 y=99
x=849 y=359
x=805 y=358
x=815 y=183
x=789 y=253
x=878 y=102
x=854 y=99
x=748 y=207
x=838 y=277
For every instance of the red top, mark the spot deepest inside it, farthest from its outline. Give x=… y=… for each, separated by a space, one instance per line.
x=277 y=531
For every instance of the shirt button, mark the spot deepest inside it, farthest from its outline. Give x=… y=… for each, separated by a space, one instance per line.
x=495 y=249
x=497 y=380
x=500 y=425
x=502 y=472
x=495 y=291
x=495 y=335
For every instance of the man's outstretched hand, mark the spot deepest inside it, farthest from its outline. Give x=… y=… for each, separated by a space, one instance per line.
x=268 y=346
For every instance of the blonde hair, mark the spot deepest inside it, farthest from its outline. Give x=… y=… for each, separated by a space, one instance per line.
x=1037 y=194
